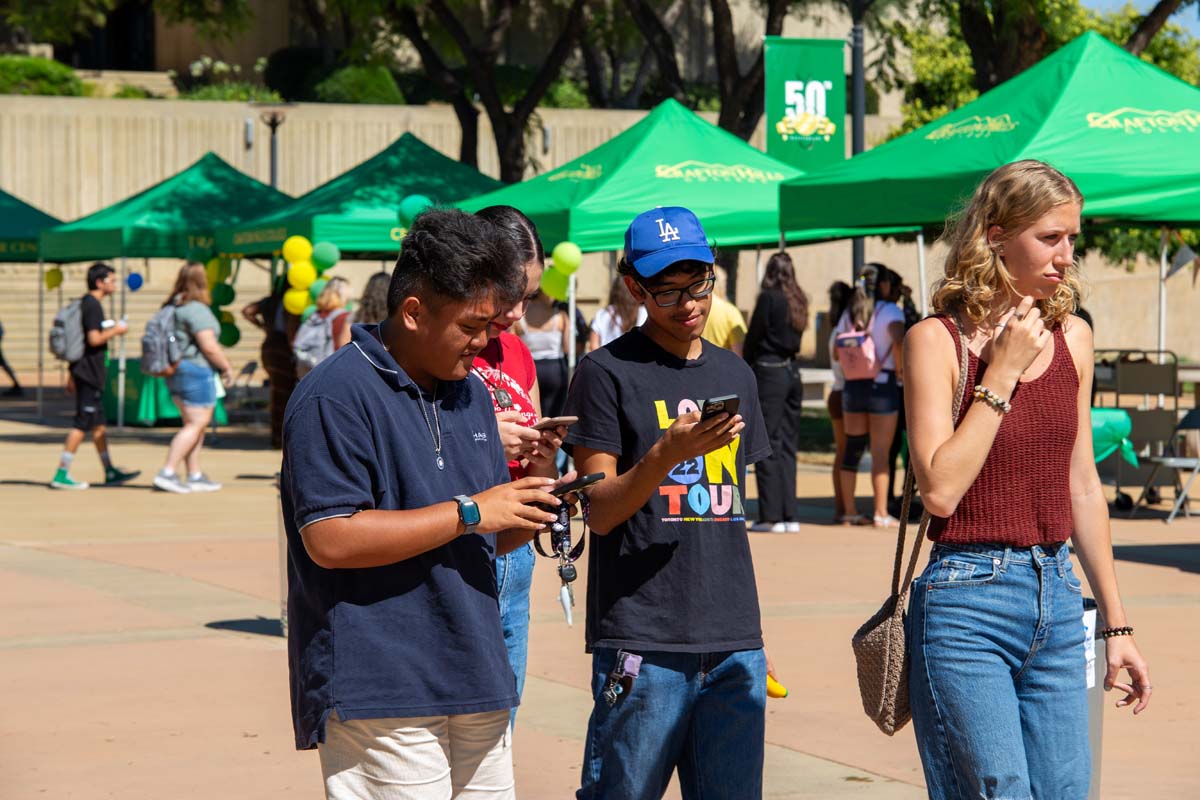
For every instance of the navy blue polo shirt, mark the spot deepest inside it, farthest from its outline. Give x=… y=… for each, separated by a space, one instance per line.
x=421 y=637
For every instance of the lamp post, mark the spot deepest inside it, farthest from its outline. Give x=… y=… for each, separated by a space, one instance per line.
x=273 y=115
x=858 y=12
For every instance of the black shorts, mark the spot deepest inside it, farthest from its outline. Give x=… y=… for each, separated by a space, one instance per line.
x=89 y=406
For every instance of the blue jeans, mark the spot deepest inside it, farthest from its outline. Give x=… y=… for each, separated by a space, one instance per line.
x=701 y=712
x=997 y=676
x=514 y=578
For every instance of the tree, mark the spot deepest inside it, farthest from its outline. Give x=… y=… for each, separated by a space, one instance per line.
x=617 y=60
x=480 y=58
x=1152 y=23
x=62 y=20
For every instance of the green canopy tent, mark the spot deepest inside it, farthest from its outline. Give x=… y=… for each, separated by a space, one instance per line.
x=671 y=157
x=357 y=210
x=1125 y=131
x=167 y=220
x=20 y=226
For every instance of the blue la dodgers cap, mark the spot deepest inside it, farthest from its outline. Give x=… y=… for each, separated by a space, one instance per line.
x=663 y=236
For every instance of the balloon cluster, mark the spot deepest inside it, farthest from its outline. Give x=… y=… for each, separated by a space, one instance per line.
x=217 y=272
x=556 y=278
x=307 y=262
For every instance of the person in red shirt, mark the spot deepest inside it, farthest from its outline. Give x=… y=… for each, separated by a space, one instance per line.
x=506 y=367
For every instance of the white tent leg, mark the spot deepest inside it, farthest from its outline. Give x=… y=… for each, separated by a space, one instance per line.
x=1162 y=296
x=571 y=323
x=41 y=346
x=121 y=358
x=921 y=282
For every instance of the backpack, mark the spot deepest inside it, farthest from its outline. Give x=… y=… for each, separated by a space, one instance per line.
x=67 y=338
x=161 y=347
x=857 y=356
x=314 y=341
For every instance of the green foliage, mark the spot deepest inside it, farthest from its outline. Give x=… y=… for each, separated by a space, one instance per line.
x=360 y=84
x=62 y=20
x=566 y=93
x=234 y=91
x=40 y=76
x=127 y=92
x=943 y=75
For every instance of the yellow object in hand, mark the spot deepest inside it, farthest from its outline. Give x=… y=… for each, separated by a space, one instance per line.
x=775 y=688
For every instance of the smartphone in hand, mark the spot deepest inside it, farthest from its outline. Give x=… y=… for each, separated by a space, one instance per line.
x=727 y=404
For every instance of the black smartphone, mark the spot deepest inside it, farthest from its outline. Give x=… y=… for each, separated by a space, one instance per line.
x=719 y=405
x=577 y=484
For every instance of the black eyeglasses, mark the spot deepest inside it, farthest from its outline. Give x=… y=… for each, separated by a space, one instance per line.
x=671 y=297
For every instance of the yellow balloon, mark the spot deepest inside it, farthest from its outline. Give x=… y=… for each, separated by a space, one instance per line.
x=297 y=249
x=54 y=278
x=301 y=275
x=295 y=300
x=212 y=271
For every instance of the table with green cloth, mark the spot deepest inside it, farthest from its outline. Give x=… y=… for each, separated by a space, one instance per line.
x=147 y=399
x=1110 y=433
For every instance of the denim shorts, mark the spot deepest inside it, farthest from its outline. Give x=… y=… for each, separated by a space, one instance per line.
x=872 y=397
x=193 y=385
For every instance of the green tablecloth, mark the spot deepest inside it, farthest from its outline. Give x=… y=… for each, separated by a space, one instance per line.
x=147 y=399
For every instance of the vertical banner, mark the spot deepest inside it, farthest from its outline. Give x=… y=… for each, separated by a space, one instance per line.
x=806 y=101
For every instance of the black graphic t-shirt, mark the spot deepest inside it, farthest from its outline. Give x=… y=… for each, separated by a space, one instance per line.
x=676 y=576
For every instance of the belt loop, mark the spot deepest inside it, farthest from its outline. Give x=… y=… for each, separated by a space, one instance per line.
x=1007 y=558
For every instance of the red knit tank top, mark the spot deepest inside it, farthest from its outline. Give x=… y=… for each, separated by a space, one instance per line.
x=1022 y=496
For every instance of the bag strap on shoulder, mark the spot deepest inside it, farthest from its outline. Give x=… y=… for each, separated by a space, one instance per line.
x=910 y=480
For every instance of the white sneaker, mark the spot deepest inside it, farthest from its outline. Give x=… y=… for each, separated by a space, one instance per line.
x=202 y=483
x=769 y=527
x=170 y=483
x=791 y=527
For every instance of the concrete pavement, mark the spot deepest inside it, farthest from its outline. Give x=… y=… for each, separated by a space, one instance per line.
x=140 y=654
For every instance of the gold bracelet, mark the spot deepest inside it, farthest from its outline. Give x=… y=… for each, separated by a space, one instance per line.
x=994 y=400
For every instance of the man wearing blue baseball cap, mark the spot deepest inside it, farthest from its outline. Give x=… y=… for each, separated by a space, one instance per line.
x=679 y=672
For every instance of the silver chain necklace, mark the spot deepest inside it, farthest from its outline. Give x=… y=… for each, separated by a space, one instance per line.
x=437 y=440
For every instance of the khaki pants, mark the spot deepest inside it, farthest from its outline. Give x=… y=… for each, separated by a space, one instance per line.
x=461 y=757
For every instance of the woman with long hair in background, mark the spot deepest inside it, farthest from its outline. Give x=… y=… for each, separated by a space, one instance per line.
x=772 y=345
x=840 y=293
x=618 y=317
x=372 y=306
x=193 y=381
x=870 y=404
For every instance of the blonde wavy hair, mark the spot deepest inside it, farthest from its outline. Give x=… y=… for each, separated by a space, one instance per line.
x=1014 y=197
x=334 y=295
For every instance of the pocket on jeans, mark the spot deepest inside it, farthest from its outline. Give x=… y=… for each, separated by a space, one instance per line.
x=1073 y=583
x=963 y=569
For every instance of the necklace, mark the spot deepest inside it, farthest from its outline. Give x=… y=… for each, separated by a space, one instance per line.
x=437 y=439
x=503 y=398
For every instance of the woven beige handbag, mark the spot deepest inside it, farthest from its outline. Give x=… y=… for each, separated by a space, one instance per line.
x=879 y=646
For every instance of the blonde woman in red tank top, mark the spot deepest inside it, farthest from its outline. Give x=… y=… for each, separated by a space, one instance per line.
x=997 y=675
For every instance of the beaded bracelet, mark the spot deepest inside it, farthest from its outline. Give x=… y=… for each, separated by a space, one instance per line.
x=992 y=399
x=1108 y=633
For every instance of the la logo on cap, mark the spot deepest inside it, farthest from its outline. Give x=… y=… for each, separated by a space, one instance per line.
x=666 y=231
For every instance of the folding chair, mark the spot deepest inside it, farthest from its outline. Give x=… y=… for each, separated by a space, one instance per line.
x=1190 y=422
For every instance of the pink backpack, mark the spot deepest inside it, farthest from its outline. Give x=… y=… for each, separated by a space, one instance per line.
x=857 y=357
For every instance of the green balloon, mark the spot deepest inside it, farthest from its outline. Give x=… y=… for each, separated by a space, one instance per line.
x=555 y=284
x=307 y=312
x=413 y=205
x=230 y=335
x=223 y=294
x=325 y=255
x=317 y=287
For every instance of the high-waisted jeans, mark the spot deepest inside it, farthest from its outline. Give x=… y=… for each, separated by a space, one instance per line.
x=997 y=674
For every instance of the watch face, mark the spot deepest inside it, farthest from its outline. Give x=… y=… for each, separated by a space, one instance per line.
x=468 y=512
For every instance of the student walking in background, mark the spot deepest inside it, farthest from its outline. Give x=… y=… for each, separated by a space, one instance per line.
x=840 y=293
x=87 y=379
x=279 y=327
x=726 y=327
x=772 y=345
x=193 y=382
x=327 y=329
x=618 y=317
x=995 y=625
x=867 y=345
x=546 y=332
x=15 y=390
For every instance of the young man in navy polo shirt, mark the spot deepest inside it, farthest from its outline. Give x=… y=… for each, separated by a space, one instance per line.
x=396 y=498
x=679 y=673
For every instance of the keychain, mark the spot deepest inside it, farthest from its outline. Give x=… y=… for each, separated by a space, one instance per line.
x=567 y=554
